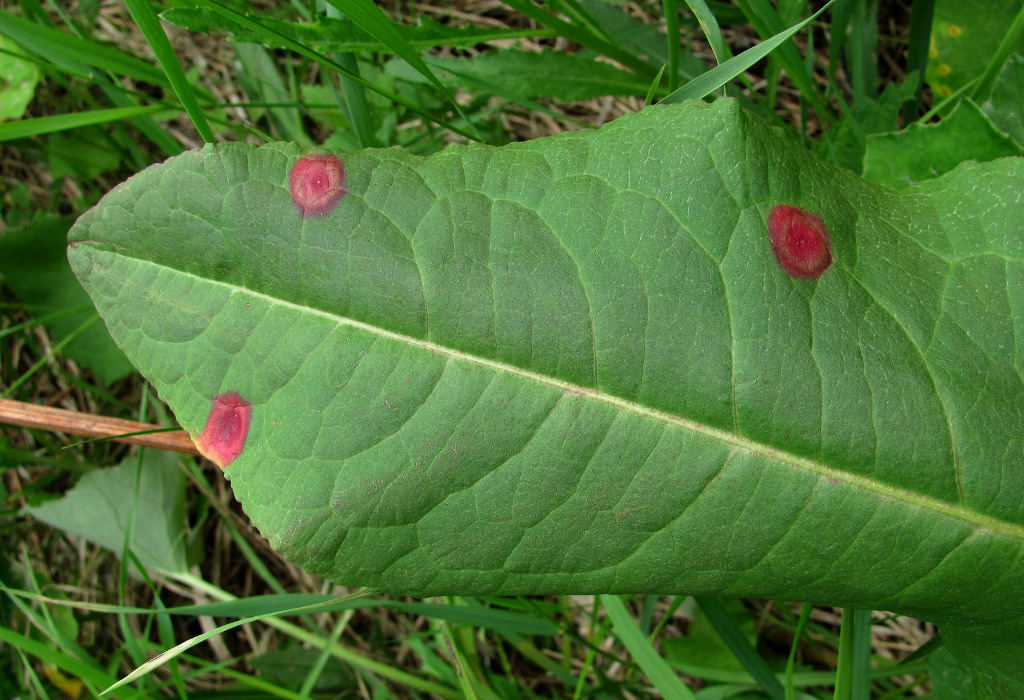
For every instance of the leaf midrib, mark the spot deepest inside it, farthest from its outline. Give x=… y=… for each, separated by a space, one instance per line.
x=974 y=518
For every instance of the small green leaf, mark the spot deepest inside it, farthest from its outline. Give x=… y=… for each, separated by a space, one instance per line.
x=18 y=80
x=99 y=508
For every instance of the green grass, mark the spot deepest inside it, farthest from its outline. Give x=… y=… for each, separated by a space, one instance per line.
x=209 y=609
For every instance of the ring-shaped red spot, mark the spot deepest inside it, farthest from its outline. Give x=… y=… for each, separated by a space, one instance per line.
x=317 y=183
x=800 y=241
x=226 y=429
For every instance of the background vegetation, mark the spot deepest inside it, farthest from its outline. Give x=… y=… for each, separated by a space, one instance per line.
x=113 y=554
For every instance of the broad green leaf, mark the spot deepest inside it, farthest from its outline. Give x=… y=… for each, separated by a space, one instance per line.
x=923 y=151
x=573 y=365
x=949 y=679
x=703 y=642
x=1004 y=104
x=965 y=36
x=99 y=508
x=845 y=143
x=32 y=266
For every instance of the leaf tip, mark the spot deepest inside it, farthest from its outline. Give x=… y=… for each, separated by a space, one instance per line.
x=317 y=184
x=800 y=242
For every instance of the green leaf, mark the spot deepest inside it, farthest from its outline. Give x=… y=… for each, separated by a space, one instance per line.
x=732 y=634
x=965 y=36
x=949 y=679
x=18 y=80
x=1003 y=106
x=645 y=38
x=703 y=642
x=846 y=141
x=100 y=506
x=32 y=264
x=573 y=365
x=921 y=152
x=289 y=668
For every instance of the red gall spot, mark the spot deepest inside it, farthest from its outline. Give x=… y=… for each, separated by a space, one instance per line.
x=317 y=182
x=800 y=242
x=226 y=429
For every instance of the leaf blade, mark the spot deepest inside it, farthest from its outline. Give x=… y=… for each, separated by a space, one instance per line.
x=519 y=417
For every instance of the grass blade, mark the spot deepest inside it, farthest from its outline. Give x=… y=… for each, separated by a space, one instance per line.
x=62 y=122
x=62 y=661
x=71 y=53
x=147 y=125
x=747 y=655
x=860 y=680
x=371 y=19
x=258 y=73
x=672 y=37
x=767 y=22
x=144 y=16
x=846 y=669
x=863 y=52
x=712 y=31
x=706 y=83
x=353 y=97
x=582 y=37
x=921 y=14
x=660 y=673
x=838 y=34
x=805 y=617
x=302 y=50
x=324 y=656
x=159 y=659
x=844 y=664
